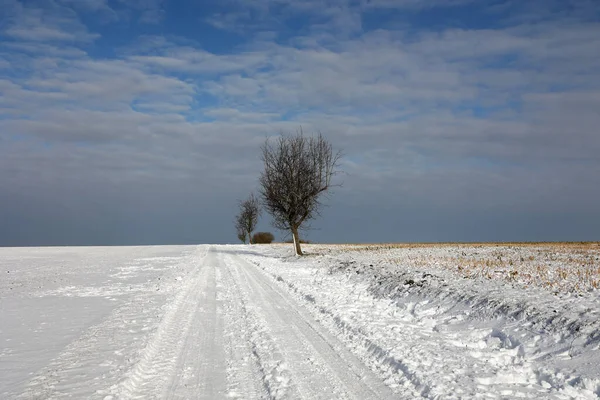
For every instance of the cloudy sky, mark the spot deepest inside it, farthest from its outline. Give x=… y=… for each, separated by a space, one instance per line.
x=140 y=121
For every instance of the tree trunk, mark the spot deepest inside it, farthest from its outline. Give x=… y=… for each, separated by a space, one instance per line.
x=296 y=241
x=249 y=237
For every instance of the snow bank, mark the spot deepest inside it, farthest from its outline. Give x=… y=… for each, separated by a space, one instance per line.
x=434 y=326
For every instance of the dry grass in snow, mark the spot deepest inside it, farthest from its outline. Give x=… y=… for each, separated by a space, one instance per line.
x=560 y=267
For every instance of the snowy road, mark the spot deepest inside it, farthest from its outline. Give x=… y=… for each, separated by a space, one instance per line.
x=162 y=323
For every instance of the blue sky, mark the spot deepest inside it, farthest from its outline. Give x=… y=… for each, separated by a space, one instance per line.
x=139 y=122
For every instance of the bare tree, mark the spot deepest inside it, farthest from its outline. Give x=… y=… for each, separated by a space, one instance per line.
x=241 y=232
x=248 y=217
x=297 y=170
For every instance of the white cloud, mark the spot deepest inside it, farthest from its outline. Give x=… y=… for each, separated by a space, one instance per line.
x=46 y=24
x=36 y=49
x=150 y=11
x=496 y=111
x=340 y=16
x=235 y=115
x=88 y=5
x=191 y=60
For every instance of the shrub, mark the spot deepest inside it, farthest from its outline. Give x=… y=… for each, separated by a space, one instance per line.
x=263 y=237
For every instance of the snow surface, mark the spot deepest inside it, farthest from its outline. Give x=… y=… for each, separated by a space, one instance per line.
x=344 y=322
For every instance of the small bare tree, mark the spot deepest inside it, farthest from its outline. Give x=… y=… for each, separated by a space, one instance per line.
x=248 y=217
x=241 y=233
x=297 y=170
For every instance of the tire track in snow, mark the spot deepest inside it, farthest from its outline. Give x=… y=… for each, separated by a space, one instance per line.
x=254 y=366
x=320 y=366
x=199 y=373
x=185 y=357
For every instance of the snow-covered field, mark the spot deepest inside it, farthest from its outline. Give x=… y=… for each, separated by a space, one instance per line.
x=193 y=322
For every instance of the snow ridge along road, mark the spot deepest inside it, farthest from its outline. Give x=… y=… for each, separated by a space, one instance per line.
x=202 y=324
